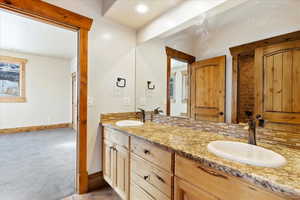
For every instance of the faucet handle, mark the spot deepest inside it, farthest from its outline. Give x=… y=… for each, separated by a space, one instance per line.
x=258 y=116
x=157 y=111
x=142 y=110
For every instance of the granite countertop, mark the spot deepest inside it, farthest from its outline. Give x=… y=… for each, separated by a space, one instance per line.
x=192 y=144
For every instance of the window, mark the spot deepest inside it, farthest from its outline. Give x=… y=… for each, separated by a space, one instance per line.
x=173 y=87
x=12 y=79
x=185 y=86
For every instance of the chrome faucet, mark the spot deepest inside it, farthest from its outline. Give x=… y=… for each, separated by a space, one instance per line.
x=143 y=115
x=157 y=111
x=252 y=125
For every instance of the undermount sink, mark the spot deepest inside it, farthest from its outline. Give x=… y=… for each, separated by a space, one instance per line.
x=129 y=123
x=246 y=153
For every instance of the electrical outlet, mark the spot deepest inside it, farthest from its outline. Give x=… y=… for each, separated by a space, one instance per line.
x=126 y=101
x=91 y=101
x=118 y=92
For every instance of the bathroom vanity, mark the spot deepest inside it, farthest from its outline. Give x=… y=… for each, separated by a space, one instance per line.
x=162 y=162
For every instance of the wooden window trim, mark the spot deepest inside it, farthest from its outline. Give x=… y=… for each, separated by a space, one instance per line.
x=178 y=55
x=48 y=13
x=22 y=62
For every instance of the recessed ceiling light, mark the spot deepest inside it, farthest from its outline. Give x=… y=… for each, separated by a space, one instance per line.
x=142 y=8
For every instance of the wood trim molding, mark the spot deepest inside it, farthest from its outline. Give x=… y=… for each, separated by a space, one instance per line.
x=96 y=181
x=184 y=57
x=250 y=47
x=34 y=128
x=48 y=13
x=82 y=91
x=179 y=55
x=235 y=79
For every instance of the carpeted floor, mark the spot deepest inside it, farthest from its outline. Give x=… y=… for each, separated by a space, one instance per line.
x=37 y=165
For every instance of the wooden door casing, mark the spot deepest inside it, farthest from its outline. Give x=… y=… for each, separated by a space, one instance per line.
x=277 y=82
x=208 y=89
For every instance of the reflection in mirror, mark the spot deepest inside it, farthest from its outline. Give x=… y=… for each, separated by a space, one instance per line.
x=178 y=88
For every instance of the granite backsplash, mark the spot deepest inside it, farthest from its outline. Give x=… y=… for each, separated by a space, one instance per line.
x=289 y=139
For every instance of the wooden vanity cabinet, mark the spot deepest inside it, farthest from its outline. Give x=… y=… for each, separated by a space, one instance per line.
x=211 y=184
x=140 y=170
x=151 y=171
x=187 y=191
x=108 y=157
x=116 y=162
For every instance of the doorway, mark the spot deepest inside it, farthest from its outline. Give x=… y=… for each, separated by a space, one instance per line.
x=47 y=13
x=178 y=83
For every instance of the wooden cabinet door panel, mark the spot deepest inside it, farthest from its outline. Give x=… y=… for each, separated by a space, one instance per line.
x=208 y=89
x=122 y=172
x=277 y=82
x=186 y=191
x=108 y=156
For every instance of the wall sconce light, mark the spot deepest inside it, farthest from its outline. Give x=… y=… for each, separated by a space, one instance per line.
x=121 y=82
x=149 y=85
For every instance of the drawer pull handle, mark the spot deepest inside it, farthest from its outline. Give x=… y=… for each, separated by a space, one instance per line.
x=146 y=178
x=213 y=173
x=146 y=151
x=160 y=178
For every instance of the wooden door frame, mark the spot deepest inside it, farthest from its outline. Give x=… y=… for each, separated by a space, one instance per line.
x=178 y=55
x=48 y=13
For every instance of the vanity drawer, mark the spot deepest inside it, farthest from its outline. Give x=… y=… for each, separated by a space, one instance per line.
x=224 y=186
x=137 y=193
x=152 y=192
x=116 y=137
x=158 y=178
x=152 y=153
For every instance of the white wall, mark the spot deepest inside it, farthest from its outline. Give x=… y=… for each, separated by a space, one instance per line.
x=250 y=22
x=48 y=93
x=151 y=65
x=111 y=54
x=151 y=62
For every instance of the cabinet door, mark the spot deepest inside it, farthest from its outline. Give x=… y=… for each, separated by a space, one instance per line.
x=208 y=89
x=108 y=157
x=186 y=191
x=277 y=82
x=122 y=172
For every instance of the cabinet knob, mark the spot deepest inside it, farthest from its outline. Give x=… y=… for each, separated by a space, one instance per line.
x=146 y=151
x=221 y=113
x=146 y=177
